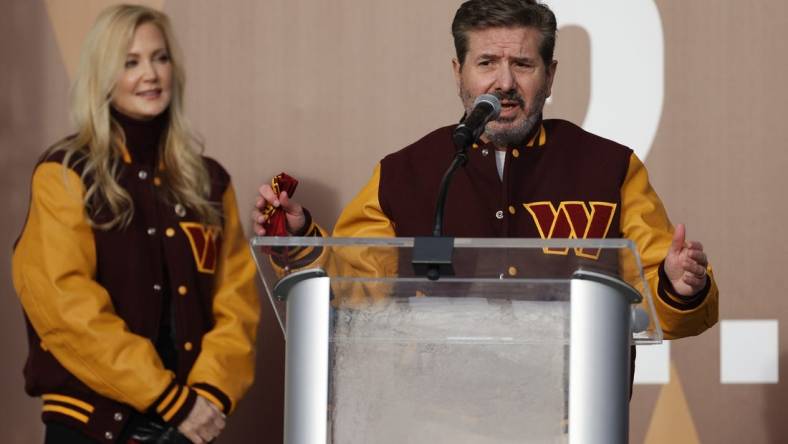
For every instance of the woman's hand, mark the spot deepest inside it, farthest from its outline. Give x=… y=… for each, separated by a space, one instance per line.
x=204 y=422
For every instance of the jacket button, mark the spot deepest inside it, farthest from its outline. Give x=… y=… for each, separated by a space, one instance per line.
x=475 y=146
x=156 y=287
x=142 y=174
x=156 y=181
x=180 y=210
x=515 y=153
x=187 y=346
x=499 y=214
x=151 y=231
x=169 y=232
x=182 y=290
x=118 y=417
x=512 y=210
x=109 y=436
x=485 y=151
x=512 y=271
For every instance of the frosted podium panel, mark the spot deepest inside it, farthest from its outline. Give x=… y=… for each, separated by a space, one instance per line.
x=448 y=370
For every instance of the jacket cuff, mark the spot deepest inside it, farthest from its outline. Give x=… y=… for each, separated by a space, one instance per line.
x=215 y=396
x=292 y=258
x=175 y=403
x=668 y=294
x=308 y=226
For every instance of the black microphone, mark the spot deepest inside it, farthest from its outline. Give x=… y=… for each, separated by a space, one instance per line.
x=432 y=256
x=486 y=107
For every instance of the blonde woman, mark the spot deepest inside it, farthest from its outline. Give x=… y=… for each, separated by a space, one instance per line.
x=132 y=268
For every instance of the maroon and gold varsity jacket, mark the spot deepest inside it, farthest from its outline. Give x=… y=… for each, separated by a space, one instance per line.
x=93 y=302
x=565 y=183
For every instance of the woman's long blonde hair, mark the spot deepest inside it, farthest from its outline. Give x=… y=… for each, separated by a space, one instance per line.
x=99 y=138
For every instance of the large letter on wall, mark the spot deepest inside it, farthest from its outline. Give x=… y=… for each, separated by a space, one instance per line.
x=627 y=67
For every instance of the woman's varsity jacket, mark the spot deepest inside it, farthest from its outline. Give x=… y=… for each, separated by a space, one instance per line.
x=93 y=302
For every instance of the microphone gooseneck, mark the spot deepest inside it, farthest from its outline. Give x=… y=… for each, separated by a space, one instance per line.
x=486 y=107
x=432 y=256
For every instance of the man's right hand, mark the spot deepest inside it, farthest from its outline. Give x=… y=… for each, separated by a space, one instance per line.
x=294 y=212
x=204 y=422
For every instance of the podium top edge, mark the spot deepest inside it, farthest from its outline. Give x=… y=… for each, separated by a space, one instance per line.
x=459 y=242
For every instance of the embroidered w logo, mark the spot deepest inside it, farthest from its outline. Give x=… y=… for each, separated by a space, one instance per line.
x=205 y=245
x=572 y=220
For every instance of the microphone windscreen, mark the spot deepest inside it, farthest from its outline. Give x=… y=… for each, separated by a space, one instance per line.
x=492 y=100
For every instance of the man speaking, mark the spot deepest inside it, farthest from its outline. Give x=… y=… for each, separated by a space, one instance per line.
x=525 y=171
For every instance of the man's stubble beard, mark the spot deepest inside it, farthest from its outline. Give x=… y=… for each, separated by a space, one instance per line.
x=511 y=136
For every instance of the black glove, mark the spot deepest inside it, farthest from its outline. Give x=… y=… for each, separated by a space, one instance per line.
x=155 y=432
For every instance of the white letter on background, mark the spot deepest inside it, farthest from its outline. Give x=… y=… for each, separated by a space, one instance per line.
x=627 y=67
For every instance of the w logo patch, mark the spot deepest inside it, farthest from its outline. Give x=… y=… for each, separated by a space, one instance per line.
x=572 y=220
x=205 y=241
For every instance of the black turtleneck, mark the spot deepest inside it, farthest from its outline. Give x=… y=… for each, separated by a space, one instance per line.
x=142 y=136
x=142 y=142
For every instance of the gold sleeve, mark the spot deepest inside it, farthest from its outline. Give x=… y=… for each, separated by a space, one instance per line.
x=225 y=368
x=645 y=221
x=363 y=217
x=54 y=269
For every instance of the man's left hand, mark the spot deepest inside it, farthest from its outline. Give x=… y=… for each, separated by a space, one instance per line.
x=685 y=264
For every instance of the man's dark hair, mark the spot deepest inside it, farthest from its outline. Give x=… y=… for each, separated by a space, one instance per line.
x=483 y=14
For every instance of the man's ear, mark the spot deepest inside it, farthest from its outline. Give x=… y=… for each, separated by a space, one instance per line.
x=550 y=74
x=457 y=69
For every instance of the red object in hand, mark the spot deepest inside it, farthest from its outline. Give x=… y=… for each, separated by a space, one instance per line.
x=275 y=219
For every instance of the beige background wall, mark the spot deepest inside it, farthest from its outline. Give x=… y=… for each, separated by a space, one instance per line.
x=322 y=90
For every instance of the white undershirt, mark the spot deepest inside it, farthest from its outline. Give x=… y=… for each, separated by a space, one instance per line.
x=500 y=159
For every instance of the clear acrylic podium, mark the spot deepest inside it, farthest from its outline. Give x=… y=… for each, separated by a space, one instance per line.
x=528 y=341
